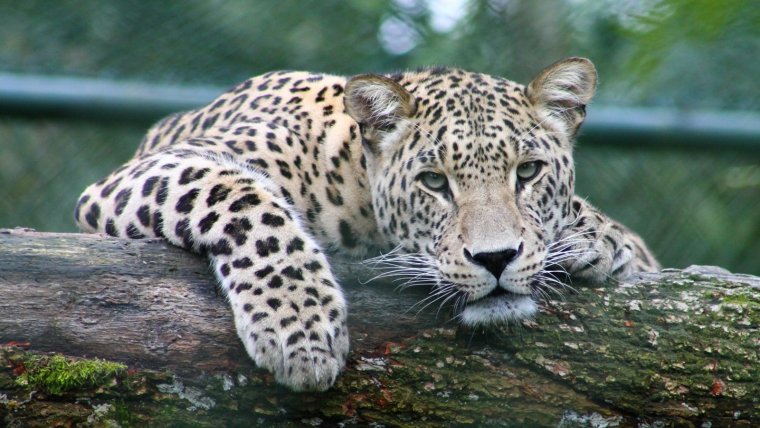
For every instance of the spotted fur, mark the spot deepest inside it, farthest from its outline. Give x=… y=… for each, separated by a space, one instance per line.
x=464 y=180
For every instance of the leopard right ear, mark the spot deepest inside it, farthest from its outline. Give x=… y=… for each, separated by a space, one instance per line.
x=560 y=93
x=378 y=104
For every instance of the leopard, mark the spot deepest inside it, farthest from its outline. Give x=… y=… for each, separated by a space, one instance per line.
x=463 y=180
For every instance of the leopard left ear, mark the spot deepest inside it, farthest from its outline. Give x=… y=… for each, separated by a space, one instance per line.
x=560 y=93
x=377 y=104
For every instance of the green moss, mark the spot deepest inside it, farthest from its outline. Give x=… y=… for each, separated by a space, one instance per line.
x=744 y=299
x=57 y=374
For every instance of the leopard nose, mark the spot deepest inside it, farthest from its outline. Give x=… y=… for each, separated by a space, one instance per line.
x=495 y=262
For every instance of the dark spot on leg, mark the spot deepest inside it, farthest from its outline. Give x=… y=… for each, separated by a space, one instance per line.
x=208 y=222
x=158 y=223
x=221 y=247
x=190 y=174
x=258 y=316
x=243 y=286
x=292 y=273
x=296 y=244
x=149 y=185
x=163 y=191
x=93 y=215
x=287 y=321
x=272 y=220
x=224 y=269
x=295 y=337
x=275 y=282
x=218 y=193
x=312 y=266
x=133 y=232
x=248 y=200
x=261 y=273
x=242 y=263
x=111 y=228
x=236 y=229
x=143 y=214
x=107 y=190
x=268 y=246
x=182 y=230
x=186 y=201
x=83 y=200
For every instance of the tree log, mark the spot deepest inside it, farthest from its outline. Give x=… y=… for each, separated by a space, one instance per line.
x=681 y=347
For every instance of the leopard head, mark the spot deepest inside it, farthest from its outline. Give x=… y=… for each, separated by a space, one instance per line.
x=472 y=178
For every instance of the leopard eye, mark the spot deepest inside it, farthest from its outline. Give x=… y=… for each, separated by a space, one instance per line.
x=434 y=181
x=528 y=170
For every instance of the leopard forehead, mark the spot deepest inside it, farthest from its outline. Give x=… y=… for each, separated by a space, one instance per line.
x=475 y=127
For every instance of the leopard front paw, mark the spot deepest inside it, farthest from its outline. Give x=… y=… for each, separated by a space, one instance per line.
x=600 y=254
x=598 y=249
x=302 y=340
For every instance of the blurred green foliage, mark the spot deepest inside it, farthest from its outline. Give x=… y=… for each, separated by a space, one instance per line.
x=692 y=207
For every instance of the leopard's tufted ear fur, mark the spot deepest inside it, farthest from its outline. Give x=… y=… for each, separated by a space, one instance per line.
x=378 y=104
x=560 y=93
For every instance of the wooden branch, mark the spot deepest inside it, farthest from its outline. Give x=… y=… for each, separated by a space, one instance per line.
x=675 y=346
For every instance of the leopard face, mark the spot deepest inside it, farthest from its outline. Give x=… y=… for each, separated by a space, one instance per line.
x=472 y=176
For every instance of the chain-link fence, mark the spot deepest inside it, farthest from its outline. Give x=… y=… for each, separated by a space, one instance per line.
x=692 y=205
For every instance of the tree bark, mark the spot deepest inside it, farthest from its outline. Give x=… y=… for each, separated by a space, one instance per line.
x=677 y=347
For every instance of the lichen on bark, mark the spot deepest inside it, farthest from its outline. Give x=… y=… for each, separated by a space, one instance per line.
x=680 y=343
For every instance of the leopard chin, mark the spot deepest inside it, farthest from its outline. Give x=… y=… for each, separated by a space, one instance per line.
x=498 y=307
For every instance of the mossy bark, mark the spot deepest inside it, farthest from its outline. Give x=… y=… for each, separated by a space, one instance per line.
x=676 y=348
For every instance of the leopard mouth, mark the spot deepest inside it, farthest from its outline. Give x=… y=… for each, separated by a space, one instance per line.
x=498 y=307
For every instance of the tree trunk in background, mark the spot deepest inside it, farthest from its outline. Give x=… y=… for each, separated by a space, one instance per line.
x=681 y=347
